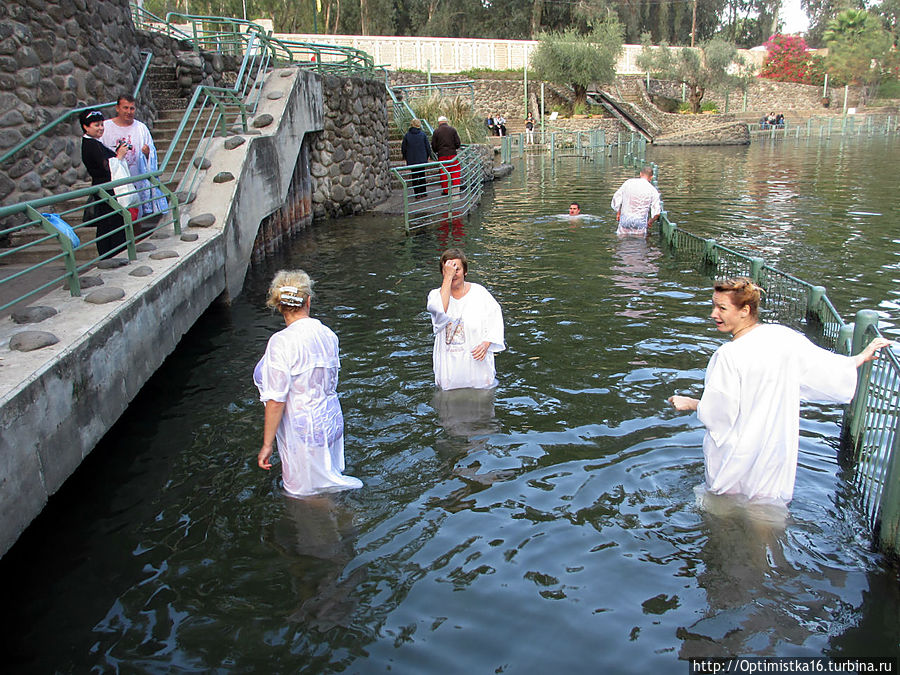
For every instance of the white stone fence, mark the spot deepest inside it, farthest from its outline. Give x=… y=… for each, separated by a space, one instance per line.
x=453 y=55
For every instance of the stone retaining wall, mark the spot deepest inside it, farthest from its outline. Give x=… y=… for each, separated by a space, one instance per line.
x=349 y=161
x=56 y=56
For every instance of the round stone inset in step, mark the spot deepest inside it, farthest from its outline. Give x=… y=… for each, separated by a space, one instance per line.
x=190 y=236
x=112 y=263
x=263 y=120
x=274 y=95
x=142 y=271
x=29 y=340
x=287 y=72
x=234 y=142
x=85 y=282
x=145 y=246
x=223 y=177
x=186 y=197
x=34 y=314
x=160 y=235
x=103 y=295
x=203 y=220
x=253 y=132
x=162 y=255
x=202 y=163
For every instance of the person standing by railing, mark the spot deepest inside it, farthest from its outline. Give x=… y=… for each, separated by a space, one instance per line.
x=96 y=158
x=752 y=392
x=637 y=204
x=445 y=143
x=529 y=129
x=415 y=150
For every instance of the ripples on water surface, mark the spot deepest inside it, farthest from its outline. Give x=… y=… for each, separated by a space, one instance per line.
x=550 y=524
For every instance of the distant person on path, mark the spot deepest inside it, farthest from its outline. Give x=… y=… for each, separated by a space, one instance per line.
x=96 y=157
x=297 y=381
x=468 y=327
x=637 y=204
x=752 y=392
x=529 y=129
x=445 y=142
x=415 y=150
x=500 y=121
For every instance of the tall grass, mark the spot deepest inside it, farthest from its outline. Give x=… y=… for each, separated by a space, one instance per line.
x=457 y=110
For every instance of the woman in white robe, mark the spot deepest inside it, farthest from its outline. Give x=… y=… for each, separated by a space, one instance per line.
x=468 y=328
x=297 y=381
x=752 y=392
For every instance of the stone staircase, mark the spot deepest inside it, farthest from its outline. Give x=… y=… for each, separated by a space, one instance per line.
x=170 y=107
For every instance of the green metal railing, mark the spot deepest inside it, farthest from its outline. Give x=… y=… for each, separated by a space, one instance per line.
x=72 y=115
x=826 y=126
x=445 y=193
x=213 y=112
x=871 y=426
x=412 y=92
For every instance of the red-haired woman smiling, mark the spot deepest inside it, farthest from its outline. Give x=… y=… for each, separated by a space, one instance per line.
x=752 y=392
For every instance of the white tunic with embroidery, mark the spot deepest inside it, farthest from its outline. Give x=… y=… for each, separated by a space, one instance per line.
x=469 y=321
x=751 y=408
x=300 y=368
x=638 y=201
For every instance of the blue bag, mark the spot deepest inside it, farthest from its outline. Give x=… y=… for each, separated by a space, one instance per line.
x=63 y=227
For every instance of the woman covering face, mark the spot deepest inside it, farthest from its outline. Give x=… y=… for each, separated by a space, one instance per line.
x=468 y=327
x=752 y=392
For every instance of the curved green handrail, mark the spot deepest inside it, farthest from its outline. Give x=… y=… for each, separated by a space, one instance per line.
x=74 y=113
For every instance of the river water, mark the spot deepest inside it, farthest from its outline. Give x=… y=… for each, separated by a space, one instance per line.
x=549 y=526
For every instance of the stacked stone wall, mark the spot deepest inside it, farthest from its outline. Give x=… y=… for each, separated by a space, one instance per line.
x=56 y=56
x=349 y=160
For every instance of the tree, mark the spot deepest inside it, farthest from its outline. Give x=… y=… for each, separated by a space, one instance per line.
x=716 y=63
x=579 y=60
x=788 y=60
x=859 y=49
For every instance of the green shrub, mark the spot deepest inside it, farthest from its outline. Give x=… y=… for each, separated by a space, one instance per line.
x=684 y=107
x=889 y=89
x=709 y=106
x=458 y=110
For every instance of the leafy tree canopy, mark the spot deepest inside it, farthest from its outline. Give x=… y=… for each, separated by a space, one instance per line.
x=579 y=60
x=859 y=49
x=716 y=63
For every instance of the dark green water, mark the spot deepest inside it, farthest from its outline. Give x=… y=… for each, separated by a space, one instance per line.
x=551 y=527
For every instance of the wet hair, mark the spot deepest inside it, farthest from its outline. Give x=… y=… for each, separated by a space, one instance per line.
x=90 y=116
x=125 y=97
x=742 y=291
x=290 y=290
x=454 y=254
x=647 y=171
x=575 y=204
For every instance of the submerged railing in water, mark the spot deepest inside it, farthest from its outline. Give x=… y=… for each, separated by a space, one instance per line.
x=871 y=426
x=429 y=194
x=825 y=127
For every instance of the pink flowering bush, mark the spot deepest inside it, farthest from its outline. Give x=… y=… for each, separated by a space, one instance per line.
x=788 y=60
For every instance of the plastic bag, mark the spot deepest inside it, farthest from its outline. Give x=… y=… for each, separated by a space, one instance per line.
x=63 y=228
x=125 y=193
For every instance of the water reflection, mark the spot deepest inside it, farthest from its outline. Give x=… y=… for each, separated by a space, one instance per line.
x=317 y=535
x=466 y=412
x=635 y=271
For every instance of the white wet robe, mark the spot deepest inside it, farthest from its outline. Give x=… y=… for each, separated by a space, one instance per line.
x=638 y=200
x=300 y=368
x=468 y=322
x=751 y=408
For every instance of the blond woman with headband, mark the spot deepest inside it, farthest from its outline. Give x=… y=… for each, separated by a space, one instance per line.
x=752 y=392
x=297 y=381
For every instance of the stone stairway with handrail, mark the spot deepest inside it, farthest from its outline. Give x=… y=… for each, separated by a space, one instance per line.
x=171 y=106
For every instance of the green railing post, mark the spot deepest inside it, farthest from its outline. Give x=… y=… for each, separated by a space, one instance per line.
x=845 y=339
x=814 y=303
x=856 y=412
x=65 y=244
x=756 y=265
x=890 y=499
